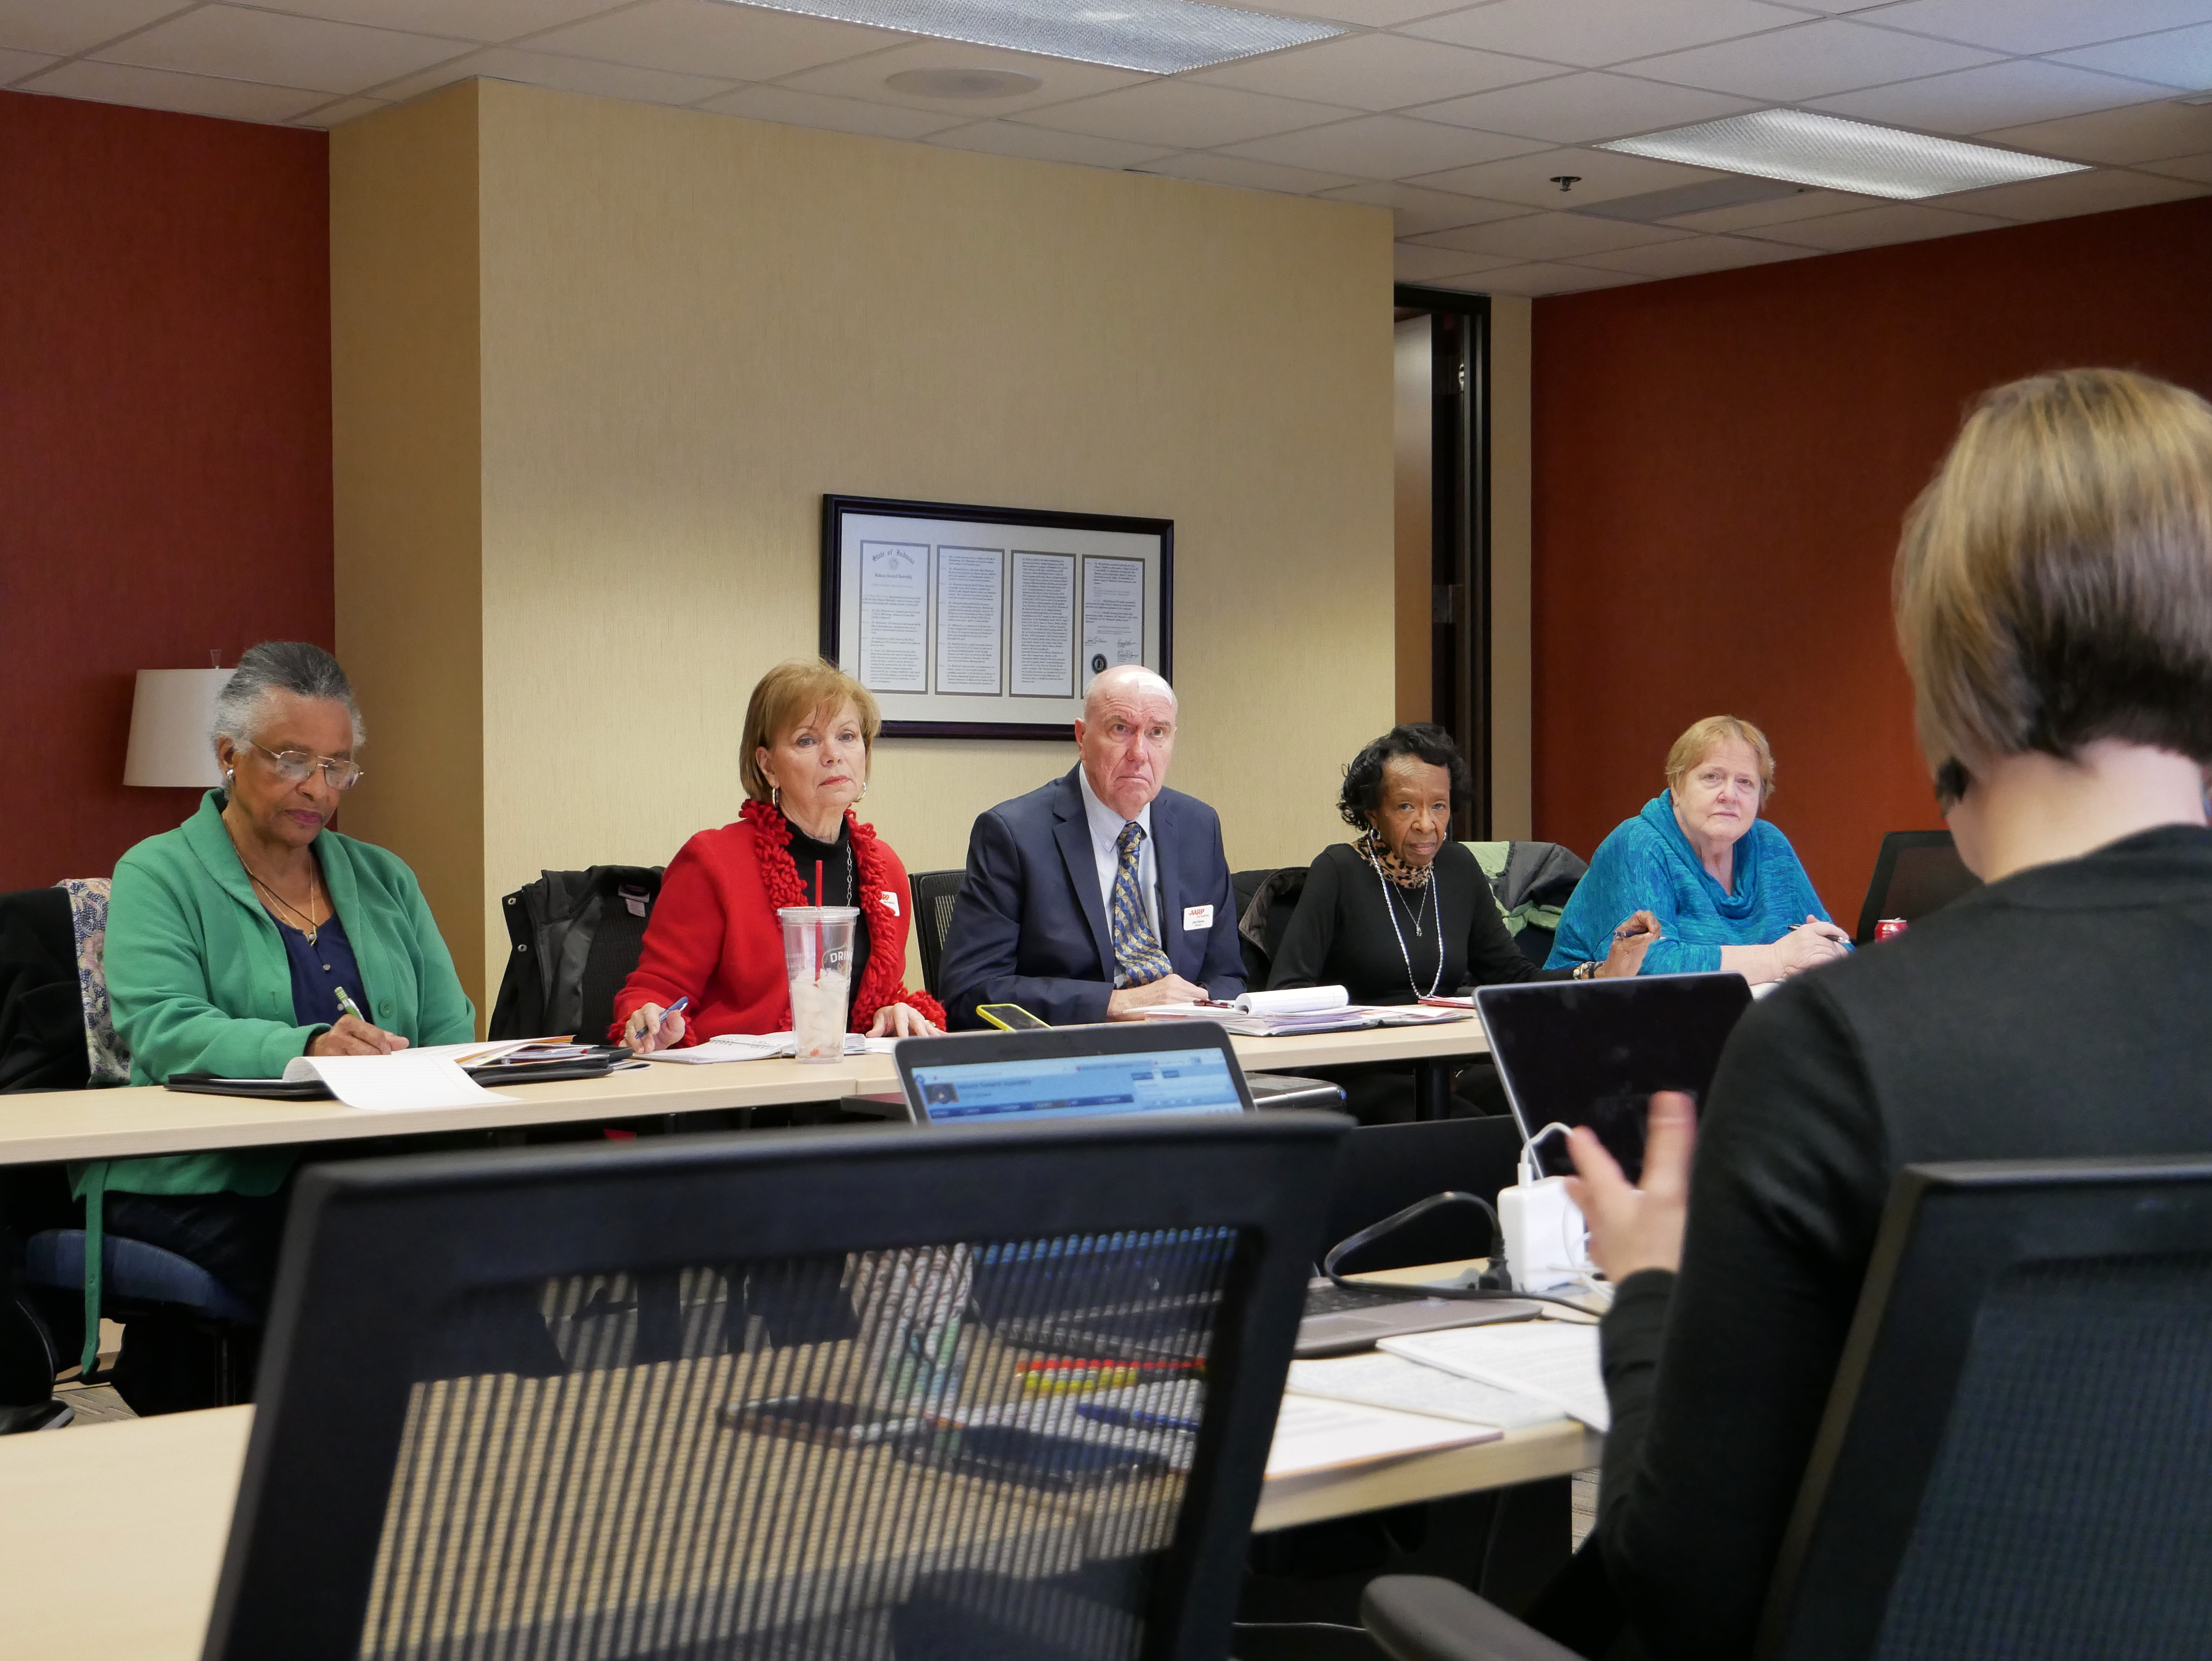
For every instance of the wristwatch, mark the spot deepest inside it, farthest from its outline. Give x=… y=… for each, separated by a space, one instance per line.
x=1587 y=971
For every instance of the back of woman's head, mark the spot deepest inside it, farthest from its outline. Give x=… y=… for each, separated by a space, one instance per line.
x=2054 y=584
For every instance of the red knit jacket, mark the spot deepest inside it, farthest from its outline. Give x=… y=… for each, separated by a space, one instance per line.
x=714 y=936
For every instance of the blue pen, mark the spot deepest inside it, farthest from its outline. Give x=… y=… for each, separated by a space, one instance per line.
x=1135 y=1418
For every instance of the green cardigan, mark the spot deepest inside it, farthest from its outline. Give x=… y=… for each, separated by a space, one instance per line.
x=200 y=982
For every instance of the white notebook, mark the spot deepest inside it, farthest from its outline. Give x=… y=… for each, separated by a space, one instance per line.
x=1313 y=1434
x=1554 y=1361
x=1380 y=1380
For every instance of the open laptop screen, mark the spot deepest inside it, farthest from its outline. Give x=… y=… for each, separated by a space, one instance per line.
x=1177 y=1080
x=1592 y=1052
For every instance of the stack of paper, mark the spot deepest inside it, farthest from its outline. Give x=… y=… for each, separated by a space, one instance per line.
x=761 y=1047
x=1377 y=1379
x=1313 y=1434
x=411 y=1079
x=1551 y=1361
x=1298 y=1009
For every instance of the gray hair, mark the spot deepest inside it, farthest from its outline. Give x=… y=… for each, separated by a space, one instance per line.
x=279 y=665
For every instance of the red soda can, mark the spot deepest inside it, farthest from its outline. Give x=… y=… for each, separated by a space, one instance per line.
x=1889 y=929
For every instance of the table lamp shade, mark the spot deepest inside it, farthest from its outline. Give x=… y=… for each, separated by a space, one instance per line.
x=169 y=721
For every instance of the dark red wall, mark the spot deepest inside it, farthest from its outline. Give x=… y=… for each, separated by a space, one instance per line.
x=1721 y=465
x=165 y=441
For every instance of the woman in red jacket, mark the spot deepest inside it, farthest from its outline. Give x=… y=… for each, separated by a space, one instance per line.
x=809 y=733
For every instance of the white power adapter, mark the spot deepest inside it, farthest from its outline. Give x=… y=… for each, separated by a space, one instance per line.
x=1546 y=1242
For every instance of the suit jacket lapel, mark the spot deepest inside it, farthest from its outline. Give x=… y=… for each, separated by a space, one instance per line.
x=1073 y=833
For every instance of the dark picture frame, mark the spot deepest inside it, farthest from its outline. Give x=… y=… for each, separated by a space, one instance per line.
x=929 y=688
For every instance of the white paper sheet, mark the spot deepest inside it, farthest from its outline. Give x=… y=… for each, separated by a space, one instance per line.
x=1554 y=1361
x=894 y=642
x=1112 y=613
x=406 y=1082
x=1382 y=1380
x=971 y=593
x=1044 y=626
x=1313 y=1434
x=761 y=1047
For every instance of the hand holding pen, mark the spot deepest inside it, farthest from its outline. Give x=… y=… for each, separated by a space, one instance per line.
x=353 y=1034
x=650 y=1027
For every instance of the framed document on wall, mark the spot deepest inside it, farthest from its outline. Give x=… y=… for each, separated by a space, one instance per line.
x=987 y=622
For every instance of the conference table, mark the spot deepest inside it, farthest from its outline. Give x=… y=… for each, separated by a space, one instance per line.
x=132 y=1122
x=112 y=1535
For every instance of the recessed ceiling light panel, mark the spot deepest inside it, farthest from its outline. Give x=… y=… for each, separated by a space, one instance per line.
x=1158 y=37
x=1838 y=155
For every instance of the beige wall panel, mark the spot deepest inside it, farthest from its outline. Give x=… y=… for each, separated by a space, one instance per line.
x=696 y=325
x=1413 y=439
x=1511 y=665
x=404 y=410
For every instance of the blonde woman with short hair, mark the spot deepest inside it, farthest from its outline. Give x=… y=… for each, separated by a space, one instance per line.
x=810 y=735
x=2054 y=605
x=1725 y=884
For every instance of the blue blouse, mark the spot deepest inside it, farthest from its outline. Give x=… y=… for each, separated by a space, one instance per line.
x=1648 y=864
x=318 y=971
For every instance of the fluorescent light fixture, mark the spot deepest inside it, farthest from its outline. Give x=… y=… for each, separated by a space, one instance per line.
x=1158 y=37
x=1838 y=155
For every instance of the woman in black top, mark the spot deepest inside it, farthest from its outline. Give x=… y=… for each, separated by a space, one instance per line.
x=1403 y=912
x=2054 y=606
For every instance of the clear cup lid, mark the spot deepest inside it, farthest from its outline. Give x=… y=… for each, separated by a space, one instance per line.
x=818 y=913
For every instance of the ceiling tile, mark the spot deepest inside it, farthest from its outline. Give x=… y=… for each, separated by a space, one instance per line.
x=807 y=109
x=1210 y=168
x=1377 y=72
x=1414 y=210
x=1995 y=95
x=706 y=37
x=77 y=25
x=1185 y=114
x=161 y=89
x=1410 y=263
x=1780 y=210
x=1574 y=109
x=1590 y=32
x=279 y=50
x=2035 y=26
x=15 y=65
x=1385 y=146
x=1601 y=174
x=1551 y=236
x=2178 y=58
x=1374 y=13
x=487 y=21
x=1044 y=144
x=1695 y=255
x=864 y=77
x=1898 y=222
x=2198 y=168
x=345 y=110
x=545 y=68
x=2145 y=132
x=1809 y=60
x=1539 y=279
x=2074 y=193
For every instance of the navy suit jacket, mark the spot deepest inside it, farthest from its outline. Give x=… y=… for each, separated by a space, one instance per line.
x=1030 y=926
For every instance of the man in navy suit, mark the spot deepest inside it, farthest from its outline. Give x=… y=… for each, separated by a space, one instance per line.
x=1101 y=893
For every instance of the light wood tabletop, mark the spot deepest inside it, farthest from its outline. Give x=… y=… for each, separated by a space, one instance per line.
x=112 y=1535
x=137 y=1121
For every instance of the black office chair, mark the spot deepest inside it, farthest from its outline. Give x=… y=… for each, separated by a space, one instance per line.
x=1266 y=898
x=573 y=938
x=2013 y=1461
x=468 y=1442
x=1916 y=872
x=934 y=892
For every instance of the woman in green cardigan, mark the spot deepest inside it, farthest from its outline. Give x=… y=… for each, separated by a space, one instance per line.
x=248 y=935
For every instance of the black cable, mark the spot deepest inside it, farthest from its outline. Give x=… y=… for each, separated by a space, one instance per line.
x=1500 y=1270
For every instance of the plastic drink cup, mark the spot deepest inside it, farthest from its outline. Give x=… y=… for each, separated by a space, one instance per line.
x=817 y=956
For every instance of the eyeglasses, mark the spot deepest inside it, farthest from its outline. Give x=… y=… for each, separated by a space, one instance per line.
x=294 y=766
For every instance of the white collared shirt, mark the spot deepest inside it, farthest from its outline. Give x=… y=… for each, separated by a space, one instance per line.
x=1105 y=835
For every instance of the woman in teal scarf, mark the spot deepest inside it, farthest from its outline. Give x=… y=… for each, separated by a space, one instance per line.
x=1725 y=884
x=250 y=934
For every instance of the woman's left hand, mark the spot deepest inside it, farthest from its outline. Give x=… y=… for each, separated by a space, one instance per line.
x=1634 y=1227
x=901 y=1020
x=1630 y=941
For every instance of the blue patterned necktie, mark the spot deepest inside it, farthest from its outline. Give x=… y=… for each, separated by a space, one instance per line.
x=1138 y=959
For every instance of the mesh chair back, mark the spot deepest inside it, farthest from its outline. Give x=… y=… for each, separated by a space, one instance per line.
x=2013 y=1460
x=792 y=1396
x=934 y=892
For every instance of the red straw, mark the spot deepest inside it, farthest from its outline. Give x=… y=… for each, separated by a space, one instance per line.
x=818 y=922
